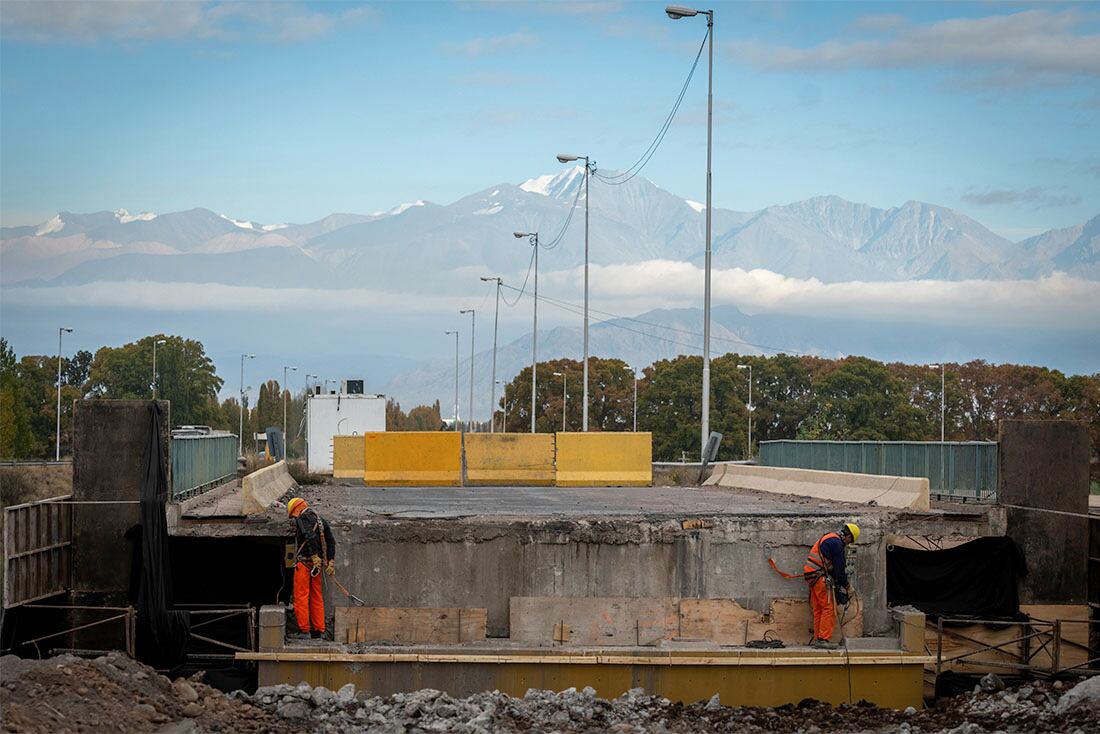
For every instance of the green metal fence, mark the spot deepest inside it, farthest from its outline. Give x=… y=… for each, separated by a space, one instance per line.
x=202 y=462
x=959 y=470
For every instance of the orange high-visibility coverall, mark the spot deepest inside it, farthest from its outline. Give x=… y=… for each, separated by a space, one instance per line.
x=309 y=602
x=822 y=602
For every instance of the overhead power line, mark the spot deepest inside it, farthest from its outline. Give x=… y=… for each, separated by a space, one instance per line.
x=622 y=177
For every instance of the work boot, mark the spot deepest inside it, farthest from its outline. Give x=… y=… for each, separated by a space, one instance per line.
x=316 y=635
x=821 y=644
x=296 y=636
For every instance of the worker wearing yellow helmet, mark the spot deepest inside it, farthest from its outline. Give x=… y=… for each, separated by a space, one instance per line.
x=316 y=552
x=826 y=572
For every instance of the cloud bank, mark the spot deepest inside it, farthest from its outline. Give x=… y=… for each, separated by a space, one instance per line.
x=38 y=21
x=1029 y=42
x=1054 y=302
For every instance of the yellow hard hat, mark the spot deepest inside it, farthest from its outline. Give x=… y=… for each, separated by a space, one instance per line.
x=850 y=526
x=297 y=504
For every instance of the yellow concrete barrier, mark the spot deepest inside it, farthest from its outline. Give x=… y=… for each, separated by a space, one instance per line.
x=412 y=458
x=510 y=458
x=347 y=457
x=605 y=459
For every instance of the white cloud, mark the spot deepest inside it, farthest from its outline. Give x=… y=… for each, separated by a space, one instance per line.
x=85 y=21
x=1030 y=42
x=1057 y=301
x=493 y=44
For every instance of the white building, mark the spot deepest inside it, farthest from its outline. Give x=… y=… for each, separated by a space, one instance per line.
x=339 y=414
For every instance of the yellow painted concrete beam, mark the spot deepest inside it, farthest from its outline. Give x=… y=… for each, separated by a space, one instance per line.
x=604 y=459
x=412 y=458
x=347 y=457
x=510 y=458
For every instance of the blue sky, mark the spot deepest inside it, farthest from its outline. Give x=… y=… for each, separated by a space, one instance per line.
x=290 y=111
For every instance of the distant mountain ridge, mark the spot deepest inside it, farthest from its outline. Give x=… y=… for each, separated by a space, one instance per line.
x=825 y=237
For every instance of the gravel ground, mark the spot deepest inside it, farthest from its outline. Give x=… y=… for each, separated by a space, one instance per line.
x=114 y=693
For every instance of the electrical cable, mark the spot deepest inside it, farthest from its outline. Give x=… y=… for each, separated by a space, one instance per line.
x=568 y=219
x=530 y=264
x=622 y=177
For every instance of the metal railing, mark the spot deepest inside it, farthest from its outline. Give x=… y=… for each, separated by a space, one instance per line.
x=1027 y=651
x=202 y=462
x=958 y=470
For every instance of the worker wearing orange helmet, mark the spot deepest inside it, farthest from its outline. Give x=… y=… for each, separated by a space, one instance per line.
x=316 y=554
x=826 y=572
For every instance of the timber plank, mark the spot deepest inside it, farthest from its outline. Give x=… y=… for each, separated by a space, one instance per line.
x=593 y=620
x=410 y=624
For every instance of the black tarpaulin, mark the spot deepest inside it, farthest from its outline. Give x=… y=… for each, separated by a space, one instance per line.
x=976 y=579
x=163 y=632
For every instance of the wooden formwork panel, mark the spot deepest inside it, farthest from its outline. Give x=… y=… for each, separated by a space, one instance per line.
x=434 y=625
x=37 y=550
x=618 y=621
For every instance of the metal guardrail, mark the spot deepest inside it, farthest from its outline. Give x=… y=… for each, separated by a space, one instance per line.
x=1035 y=637
x=958 y=470
x=201 y=463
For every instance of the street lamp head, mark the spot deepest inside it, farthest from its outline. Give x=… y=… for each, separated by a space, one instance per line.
x=66 y=329
x=487 y=279
x=742 y=366
x=466 y=310
x=250 y=356
x=450 y=332
x=557 y=374
x=292 y=369
x=520 y=235
x=567 y=158
x=678 y=11
x=933 y=366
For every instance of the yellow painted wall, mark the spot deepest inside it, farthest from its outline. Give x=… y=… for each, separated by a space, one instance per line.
x=510 y=458
x=347 y=457
x=604 y=459
x=412 y=458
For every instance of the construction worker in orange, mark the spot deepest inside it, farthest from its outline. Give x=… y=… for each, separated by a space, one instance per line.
x=316 y=555
x=827 y=574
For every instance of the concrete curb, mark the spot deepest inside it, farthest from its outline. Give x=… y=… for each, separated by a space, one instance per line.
x=263 y=486
x=906 y=493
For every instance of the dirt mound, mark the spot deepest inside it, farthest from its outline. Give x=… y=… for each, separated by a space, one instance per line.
x=114 y=693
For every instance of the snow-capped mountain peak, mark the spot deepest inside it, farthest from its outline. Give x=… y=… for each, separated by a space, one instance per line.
x=125 y=217
x=54 y=225
x=559 y=186
x=405 y=207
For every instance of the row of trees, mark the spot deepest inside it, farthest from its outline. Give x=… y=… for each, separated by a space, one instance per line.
x=185 y=376
x=801 y=397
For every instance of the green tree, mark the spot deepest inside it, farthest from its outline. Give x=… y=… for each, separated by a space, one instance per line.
x=860 y=400
x=17 y=440
x=669 y=407
x=185 y=376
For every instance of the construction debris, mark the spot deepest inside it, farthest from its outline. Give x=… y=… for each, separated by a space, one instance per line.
x=70 y=694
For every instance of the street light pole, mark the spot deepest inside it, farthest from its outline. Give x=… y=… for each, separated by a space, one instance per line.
x=748 y=407
x=943 y=416
x=504 y=416
x=473 y=328
x=635 y=400
x=155 y=343
x=305 y=407
x=57 y=449
x=286 y=397
x=675 y=13
x=564 y=396
x=493 y=379
x=240 y=430
x=589 y=167
x=455 y=332
x=533 y=238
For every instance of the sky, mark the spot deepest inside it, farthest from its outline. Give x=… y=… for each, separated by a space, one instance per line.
x=277 y=112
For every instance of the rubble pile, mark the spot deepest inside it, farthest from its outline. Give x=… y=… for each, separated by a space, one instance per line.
x=114 y=693
x=1032 y=708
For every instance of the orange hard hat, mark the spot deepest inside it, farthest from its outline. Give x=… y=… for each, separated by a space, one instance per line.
x=295 y=507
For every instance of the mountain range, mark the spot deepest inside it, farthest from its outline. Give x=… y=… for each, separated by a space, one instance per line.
x=381 y=287
x=827 y=238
